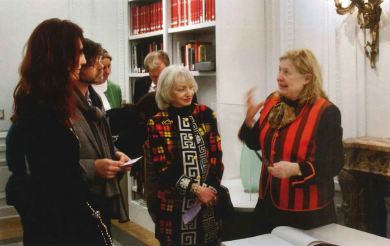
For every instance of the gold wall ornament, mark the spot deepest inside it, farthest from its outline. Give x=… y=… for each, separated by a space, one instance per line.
x=369 y=14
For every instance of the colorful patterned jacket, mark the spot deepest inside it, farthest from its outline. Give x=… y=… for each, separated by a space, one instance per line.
x=165 y=150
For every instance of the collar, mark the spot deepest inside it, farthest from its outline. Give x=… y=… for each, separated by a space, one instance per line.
x=101 y=88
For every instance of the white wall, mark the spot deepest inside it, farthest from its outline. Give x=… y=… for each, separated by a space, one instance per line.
x=240 y=51
x=102 y=21
x=360 y=91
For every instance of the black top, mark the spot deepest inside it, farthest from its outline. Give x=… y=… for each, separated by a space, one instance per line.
x=53 y=194
x=141 y=87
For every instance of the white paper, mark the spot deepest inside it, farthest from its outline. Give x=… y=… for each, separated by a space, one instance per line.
x=131 y=162
x=265 y=239
x=280 y=236
x=295 y=236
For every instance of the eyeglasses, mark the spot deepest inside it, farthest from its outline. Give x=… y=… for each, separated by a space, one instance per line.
x=97 y=61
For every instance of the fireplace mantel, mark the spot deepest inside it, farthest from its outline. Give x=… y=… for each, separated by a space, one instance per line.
x=362 y=181
x=368 y=154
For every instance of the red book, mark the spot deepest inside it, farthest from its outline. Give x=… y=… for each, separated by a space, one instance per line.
x=179 y=12
x=197 y=43
x=152 y=17
x=207 y=10
x=212 y=9
x=184 y=13
x=132 y=18
x=192 y=11
x=148 y=17
x=174 y=12
x=155 y=16
x=160 y=20
x=141 y=19
x=198 y=11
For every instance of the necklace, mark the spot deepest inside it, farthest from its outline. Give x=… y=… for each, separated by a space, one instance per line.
x=102 y=227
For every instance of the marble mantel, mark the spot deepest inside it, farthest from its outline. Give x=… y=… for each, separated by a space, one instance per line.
x=368 y=154
x=362 y=182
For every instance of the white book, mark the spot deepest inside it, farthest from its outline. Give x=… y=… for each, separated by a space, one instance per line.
x=280 y=236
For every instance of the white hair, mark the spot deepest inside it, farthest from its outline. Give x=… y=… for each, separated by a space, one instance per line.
x=168 y=78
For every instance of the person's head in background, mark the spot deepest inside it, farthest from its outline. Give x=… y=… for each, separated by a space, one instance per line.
x=155 y=62
x=93 y=70
x=50 y=66
x=300 y=76
x=176 y=87
x=106 y=61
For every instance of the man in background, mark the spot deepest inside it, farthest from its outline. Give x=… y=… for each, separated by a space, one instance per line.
x=154 y=63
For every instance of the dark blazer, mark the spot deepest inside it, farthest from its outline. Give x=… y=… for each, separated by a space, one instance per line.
x=51 y=197
x=95 y=140
x=141 y=87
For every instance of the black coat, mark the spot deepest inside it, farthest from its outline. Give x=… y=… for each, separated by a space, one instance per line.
x=51 y=196
x=141 y=87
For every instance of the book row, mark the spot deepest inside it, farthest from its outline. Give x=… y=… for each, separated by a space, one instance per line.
x=138 y=53
x=146 y=18
x=194 y=52
x=189 y=12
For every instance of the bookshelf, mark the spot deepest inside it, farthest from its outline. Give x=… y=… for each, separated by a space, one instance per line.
x=174 y=26
x=185 y=29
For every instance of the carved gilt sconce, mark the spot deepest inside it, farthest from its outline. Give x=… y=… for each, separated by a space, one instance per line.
x=369 y=14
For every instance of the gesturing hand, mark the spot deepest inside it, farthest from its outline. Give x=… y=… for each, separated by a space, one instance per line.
x=251 y=108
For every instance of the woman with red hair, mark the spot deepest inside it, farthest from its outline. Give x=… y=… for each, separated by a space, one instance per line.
x=46 y=185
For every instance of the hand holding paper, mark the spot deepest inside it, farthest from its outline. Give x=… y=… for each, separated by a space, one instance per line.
x=131 y=162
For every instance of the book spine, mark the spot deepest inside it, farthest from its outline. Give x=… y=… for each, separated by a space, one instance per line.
x=174 y=8
x=185 y=12
x=212 y=10
x=160 y=16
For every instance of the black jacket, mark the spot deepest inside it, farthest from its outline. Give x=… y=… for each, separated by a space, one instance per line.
x=51 y=197
x=141 y=87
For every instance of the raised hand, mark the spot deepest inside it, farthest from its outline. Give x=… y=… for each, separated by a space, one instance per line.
x=251 y=108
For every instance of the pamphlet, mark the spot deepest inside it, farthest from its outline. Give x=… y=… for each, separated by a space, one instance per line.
x=191 y=213
x=131 y=162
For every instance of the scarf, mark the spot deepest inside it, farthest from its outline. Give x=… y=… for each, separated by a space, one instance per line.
x=283 y=113
x=95 y=116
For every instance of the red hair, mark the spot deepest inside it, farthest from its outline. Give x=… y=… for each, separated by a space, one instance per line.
x=51 y=53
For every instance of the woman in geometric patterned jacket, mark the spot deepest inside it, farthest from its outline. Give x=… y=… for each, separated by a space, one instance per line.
x=299 y=133
x=185 y=163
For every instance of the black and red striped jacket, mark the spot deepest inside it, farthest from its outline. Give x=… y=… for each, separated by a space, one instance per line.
x=313 y=140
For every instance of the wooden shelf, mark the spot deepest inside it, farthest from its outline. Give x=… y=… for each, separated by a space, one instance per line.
x=138 y=75
x=194 y=73
x=146 y=35
x=203 y=74
x=200 y=26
